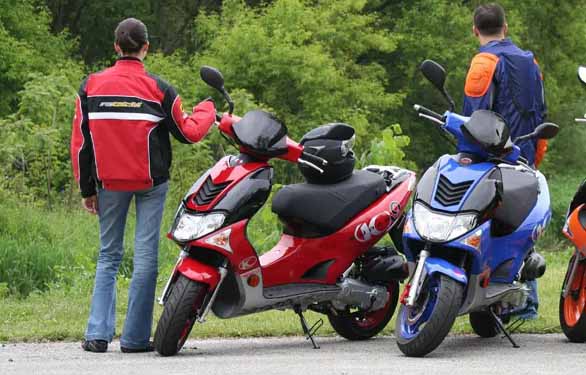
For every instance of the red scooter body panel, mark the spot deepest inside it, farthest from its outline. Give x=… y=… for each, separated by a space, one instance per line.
x=237 y=249
x=197 y=271
x=223 y=173
x=288 y=261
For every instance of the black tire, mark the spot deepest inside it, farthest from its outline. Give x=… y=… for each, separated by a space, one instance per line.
x=483 y=324
x=353 y=326
x=179 y=315
x=430 y=336
x=575 y=331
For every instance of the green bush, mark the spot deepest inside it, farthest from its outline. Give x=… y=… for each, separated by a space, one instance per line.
x=40 y=247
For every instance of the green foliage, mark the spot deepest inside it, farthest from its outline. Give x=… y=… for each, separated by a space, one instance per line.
x=387 y=149
x=33 y=159
x=298 y=68
x=308 y=61
x=26 y=46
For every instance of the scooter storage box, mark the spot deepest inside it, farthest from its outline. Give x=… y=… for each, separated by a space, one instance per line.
x=332 y=142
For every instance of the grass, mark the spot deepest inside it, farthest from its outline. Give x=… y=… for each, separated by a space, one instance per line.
x=61 y=313
x=47 y=262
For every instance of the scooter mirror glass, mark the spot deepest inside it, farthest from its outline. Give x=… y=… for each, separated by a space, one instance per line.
x=434 y=73
x=212 y=77
x=546 y=130
x=582 y=74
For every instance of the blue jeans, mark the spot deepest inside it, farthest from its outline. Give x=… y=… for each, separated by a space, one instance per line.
x=112 y=210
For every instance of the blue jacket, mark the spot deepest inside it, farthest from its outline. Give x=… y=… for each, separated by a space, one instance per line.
x=506 y=79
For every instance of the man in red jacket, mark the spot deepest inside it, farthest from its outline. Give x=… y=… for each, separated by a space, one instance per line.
x=120 y=149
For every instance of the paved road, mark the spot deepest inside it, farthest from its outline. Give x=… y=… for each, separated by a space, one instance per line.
x=539 y=354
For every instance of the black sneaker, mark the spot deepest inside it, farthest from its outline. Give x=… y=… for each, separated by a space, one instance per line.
x=149 y=348
x=95 y=346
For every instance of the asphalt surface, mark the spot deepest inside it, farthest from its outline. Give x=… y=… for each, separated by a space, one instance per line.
x=539 y=354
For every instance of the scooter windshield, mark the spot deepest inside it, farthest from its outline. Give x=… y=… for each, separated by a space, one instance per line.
x=489 y=131
x=262 y=133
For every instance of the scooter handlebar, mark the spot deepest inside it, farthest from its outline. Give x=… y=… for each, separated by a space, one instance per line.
x=428 y=113
x=314 y=159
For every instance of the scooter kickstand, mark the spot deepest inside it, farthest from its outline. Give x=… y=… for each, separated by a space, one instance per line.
x=309 y=332
x=502 y=328
x=513 y=327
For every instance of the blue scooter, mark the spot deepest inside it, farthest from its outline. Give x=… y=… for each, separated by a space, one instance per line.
x=469 y=235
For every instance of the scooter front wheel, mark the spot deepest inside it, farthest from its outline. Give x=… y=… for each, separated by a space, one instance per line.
x=573 y=306
x=422 y=328
x=360 y=325
x=179 y=315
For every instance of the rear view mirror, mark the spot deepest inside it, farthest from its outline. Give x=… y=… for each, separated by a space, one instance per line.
x=215 y=79
x=434 y=73
x=212 y=77
x=582 y=74
x=547 y=130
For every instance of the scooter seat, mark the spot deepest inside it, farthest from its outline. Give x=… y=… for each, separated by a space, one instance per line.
x=311 y=210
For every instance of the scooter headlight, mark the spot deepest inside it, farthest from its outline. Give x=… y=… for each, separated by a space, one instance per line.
x=190 y=227
x=437 y=227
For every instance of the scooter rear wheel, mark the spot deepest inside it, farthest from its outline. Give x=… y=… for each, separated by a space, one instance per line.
x=573 y=307
x=361 y=325
x=179 y=315
x=483 y=324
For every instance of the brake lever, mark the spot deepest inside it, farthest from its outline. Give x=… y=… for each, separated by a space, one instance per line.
x=311 y=165
x=430 y=118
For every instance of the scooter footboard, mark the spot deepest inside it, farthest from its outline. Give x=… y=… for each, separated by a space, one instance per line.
x=195 y=270
x=438 y=265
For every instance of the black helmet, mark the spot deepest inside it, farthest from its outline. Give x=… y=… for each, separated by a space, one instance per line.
x=332 y=142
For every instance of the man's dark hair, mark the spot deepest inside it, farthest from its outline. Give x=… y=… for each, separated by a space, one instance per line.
x=131 y=35
x=489 y=19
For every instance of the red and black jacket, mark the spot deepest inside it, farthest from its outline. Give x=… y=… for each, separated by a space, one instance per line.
x=120 y=134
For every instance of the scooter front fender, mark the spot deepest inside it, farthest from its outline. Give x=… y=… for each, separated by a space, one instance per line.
x=438 y=265
x=198 y=271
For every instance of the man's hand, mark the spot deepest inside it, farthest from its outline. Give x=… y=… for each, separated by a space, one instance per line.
x=90 y=204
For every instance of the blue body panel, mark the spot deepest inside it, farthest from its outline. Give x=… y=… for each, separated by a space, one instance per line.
x=457 y=173
x=438 y=265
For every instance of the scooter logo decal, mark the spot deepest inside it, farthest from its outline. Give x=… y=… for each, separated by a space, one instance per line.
x=247 y=263
x=378 y=225
x=395 y=208
x=362 y=233
x=540 y=228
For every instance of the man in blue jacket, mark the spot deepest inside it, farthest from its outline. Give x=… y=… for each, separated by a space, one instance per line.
x=507 y=80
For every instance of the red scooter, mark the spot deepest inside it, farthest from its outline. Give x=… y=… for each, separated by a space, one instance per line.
x=325 y=261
